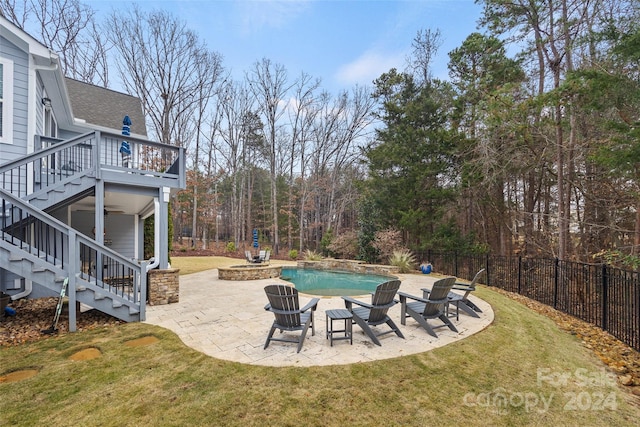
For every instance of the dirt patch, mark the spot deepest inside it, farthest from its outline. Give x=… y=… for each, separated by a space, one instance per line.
x=86 y=354
x=16 y=376
x=141 y=342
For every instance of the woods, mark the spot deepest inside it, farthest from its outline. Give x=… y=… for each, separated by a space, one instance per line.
x=529 y=147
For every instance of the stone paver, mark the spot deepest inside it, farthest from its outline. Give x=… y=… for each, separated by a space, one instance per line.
x=226 y=320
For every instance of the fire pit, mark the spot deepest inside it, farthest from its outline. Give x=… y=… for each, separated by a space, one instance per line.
x=249 y=272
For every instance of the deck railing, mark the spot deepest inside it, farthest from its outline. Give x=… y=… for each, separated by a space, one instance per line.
x=33 y=232
x=56 y=161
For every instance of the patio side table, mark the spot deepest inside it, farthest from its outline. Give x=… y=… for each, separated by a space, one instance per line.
x=340 y=314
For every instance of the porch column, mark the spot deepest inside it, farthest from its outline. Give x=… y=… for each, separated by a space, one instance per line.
x=163 y=222
x=99 y=214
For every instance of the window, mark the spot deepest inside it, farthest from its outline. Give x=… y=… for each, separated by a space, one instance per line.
x=6 y=101
x=50 y=124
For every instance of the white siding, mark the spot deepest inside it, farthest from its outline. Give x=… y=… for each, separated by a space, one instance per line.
x=18 y=144
x=119 y=230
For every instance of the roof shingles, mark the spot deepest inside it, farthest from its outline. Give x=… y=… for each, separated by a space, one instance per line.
x=105 y=107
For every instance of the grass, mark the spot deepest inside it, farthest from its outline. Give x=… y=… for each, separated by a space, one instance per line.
x=188 y=265
x=194 y=264
x=522 y=357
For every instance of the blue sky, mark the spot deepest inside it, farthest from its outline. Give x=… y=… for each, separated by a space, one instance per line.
x=342 y=42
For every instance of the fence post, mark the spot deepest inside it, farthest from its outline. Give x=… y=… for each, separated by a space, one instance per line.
x=605 y=297
x=519 y=274
x=455 y=263
x=486 y=267
x=556 y=279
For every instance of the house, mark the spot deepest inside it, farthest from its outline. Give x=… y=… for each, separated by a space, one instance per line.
x=78 y=181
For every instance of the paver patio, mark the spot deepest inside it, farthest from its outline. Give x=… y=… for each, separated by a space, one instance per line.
x=226 y=320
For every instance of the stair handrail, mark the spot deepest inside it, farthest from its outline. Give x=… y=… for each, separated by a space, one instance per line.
x=21 y=175
x=79 y=239
x=28 y=158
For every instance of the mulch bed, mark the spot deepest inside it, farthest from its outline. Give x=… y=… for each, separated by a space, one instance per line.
x=35 y=315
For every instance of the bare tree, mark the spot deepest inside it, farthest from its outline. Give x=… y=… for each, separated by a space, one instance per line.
x=160 y=61
x=240 y=135
x=301 y=117
x=15 y=11
x=269 y=84
x=212 y=169
x=340 y=124
x=424 y=46
x=209 y=69
x=68 y=27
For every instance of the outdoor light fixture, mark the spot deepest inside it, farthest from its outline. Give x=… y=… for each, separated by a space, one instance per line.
x=46 y=102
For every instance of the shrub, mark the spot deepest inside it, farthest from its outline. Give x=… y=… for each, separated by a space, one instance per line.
x=310 y=255
x=345 y=245
x=404 y=260
x=325 y=243
x=387 y=242
x=231 y=247
x=293 y=254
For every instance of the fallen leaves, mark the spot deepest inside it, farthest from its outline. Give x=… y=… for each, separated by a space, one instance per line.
x=35 y=315
x=623 y=360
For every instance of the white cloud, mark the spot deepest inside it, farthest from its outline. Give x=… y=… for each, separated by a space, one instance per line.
x=368 y=67
x=257 y=15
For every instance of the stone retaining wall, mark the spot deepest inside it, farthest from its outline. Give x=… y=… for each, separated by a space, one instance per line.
x=351 y=266
x=164 y=286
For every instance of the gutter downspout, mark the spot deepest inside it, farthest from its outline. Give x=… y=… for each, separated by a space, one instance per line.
x=45 y=67
x=28 y=284
x=156 y=235
x=28 y=288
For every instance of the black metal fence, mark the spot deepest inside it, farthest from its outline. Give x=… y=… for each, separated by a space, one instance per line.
x=602 y=295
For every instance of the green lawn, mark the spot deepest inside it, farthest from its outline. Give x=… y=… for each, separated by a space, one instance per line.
x=522 y=370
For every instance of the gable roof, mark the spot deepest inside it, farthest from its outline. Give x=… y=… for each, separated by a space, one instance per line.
x=25 y=41
x=106 y=108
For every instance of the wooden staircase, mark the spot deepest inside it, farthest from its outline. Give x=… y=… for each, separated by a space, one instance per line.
x=45 y=251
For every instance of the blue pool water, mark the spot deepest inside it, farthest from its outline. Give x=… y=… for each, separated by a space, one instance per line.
x=331 y=283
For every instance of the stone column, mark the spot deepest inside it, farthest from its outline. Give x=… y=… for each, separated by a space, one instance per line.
x=164 y=286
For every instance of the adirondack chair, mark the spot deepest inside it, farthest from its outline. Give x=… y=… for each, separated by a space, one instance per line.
x=468 y=307
x=433 y=307
x=462 y=301
x=374 y=314
x=284 y=304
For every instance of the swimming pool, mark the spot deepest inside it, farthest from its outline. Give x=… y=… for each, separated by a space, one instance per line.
x=332 y=283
